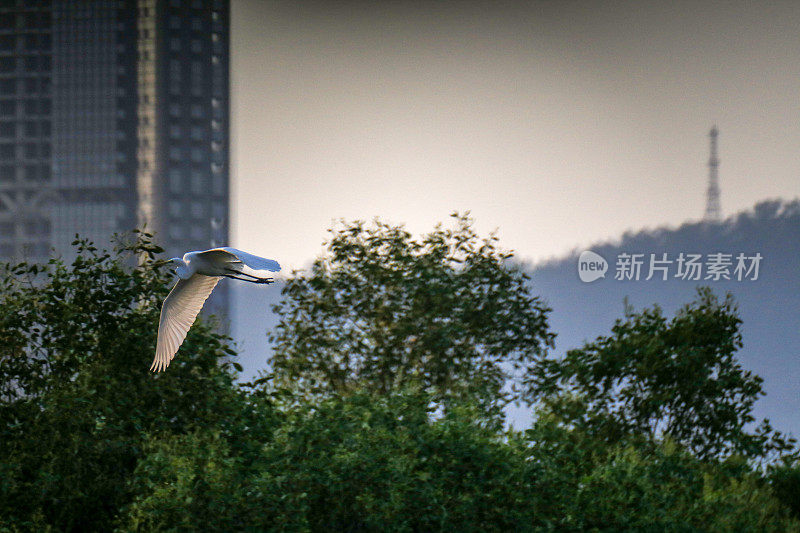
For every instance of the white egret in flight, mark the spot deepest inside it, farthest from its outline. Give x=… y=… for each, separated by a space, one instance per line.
x=199 y=273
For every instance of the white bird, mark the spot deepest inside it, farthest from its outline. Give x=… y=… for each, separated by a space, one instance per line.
x=199 y=273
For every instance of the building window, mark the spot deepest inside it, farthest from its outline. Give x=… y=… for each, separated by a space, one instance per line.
x=37 y=228
x=196 y=47
x=8 y=64
x=196 y=155
x=8 y=43
x=175 y=181
x=30 y=173
x=175 y=153
x=197 y=111
x=8 y=87
x=197 y=78
x=31 y=85
x=175 y=44
x=197 y=183
x=196 y=133
x=175 y=69
x=217 y=184
x=175 y=110
x=6 y=151
x=197 y=210
x=198 y=233
x=42 y=249
x=175 y=131
x=31 y=151
x=31 y=63
x=8 y=107
x=7 y=173
x=176 y=232
x=29 y=41
x=175 y=209
x=30 y=107
x=8 y=129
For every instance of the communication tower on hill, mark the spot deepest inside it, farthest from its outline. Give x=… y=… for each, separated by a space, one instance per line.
x=713 y=212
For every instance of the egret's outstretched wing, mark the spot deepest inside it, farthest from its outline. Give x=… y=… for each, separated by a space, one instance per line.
x=253 y=261
x=218 y=256
x=178 y=313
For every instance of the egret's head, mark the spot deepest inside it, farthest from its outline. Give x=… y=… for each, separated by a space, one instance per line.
x=180 y=267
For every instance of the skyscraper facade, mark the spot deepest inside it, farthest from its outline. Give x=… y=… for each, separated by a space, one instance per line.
x=113 y=114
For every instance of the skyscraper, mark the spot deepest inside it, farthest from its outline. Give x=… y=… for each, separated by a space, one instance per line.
x=113 y=113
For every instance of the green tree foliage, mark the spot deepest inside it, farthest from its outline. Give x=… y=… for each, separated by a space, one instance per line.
x=384 y=310
x=587 y=484
x=785 y=480
x=360 y=463
x=90 y=440
x=656 y=376
x=382 y=463
x=77 y=401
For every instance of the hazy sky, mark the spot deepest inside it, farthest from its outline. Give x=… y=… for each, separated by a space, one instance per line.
x=559 y=123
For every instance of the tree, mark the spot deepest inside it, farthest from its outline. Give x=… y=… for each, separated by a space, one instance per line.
x=655 y=376
x=357 y=463
x=77 y=401
x=368 y=462
x=384 y=310
x=785 y=481
x=667 y=489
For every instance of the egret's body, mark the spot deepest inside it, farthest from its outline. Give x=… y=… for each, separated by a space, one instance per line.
x=198 y=274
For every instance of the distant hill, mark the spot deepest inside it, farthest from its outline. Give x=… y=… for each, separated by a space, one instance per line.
x=769 y=305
